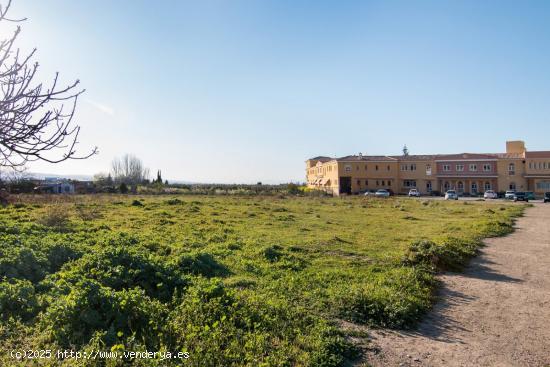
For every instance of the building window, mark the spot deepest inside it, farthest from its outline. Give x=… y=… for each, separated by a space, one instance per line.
x=388 y=167
x=429 y=186
x=486 y=167
x=446 y=186
x=530 y=165
x=446 y=167
x=366 y=182
x=365 y=167
x=357 y=168
x=512 y=186
x=474 y=188
x=409 y=183
x=511 y=169
x=389 y=183
x=359 y=183
x=413 y=167
x=404 y=167
x=428 y=170
x=348 y=168
x=473 y=167
x=376 y=167
x=460 y=167
x=383 y=183
x=543 y=185
x=487 y=186
x=460 y=186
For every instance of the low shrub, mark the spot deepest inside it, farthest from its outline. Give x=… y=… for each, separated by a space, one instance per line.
x=200 y=264
x=17 y=299
x=89 y=307
x=55 y=217
x=60 y=253
x=174 y=201
x=220 y=328
x=450 y=254
x=122 y=268
x=22 y=263
x=397 y=299
x=273 y=253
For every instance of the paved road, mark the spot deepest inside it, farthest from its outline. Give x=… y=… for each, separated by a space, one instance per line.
x=496 y=313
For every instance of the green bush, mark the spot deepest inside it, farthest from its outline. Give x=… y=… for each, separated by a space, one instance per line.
x=18 y=299
x=22 y=263
x=219 y=328
x=122 y=268
x=174 y=201
x=89 y=307
x=450 y=254
x=60 y=253
x=397 y=299
x=200 y=264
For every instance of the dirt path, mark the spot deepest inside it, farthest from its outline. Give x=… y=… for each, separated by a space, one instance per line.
x=496 y=313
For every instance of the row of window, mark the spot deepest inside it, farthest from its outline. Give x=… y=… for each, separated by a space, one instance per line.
x=377 y=182
x=543 y=185
x=473 y=186
x=472 y=167
x=347 y=168
x=320 y=170
x=408 y=167
x=539 y=165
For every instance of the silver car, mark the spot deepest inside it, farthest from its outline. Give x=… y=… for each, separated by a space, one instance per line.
x=382 y=193
x=451 y=195
x=510 y=194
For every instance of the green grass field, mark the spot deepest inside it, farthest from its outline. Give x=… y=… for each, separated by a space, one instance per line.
x=258 y=281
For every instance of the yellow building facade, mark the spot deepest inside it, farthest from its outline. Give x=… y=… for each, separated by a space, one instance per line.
x=468 y=173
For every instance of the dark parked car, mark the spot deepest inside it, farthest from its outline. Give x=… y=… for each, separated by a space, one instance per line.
x=520 y=196
x=547 y=197
x=530 y=195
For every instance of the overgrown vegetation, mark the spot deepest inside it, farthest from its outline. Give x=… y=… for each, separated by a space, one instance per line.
x=230 y=280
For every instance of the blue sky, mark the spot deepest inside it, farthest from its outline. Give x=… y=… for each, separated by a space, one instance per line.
x=246 y=91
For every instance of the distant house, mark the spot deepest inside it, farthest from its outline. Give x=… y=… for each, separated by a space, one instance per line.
x=55 y=186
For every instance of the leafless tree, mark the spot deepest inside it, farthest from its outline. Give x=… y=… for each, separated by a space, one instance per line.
x=35 y=119
x=129 y=169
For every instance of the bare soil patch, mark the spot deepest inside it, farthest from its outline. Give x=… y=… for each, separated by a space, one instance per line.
x=496 y=313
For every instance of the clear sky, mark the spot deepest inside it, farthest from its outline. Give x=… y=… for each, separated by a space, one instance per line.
x=246 y=91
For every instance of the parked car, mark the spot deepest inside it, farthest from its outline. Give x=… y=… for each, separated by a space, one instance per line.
x=520 y=196
x=414 y=192
x=490 y=194
x=451 y=195
x=382 y=193
x=530 y=195
x=369 y=193
x=547 y=197
x=510 y=194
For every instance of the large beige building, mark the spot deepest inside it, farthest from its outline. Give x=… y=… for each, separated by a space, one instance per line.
x=468 y=173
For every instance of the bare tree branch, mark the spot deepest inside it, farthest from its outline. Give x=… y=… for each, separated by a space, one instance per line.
x=35 y=119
